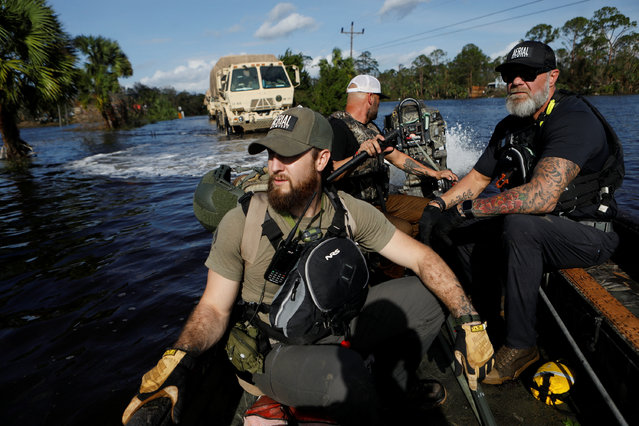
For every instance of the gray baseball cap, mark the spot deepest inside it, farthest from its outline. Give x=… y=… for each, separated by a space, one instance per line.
x=294 y=132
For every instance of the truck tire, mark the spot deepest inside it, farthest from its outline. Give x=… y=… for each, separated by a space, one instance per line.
x=228 y=128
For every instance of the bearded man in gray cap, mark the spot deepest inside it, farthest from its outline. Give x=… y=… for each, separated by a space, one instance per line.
x=557 y=162
x=395 y=325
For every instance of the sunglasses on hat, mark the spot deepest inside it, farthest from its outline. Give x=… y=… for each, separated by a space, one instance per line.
x=526 y=74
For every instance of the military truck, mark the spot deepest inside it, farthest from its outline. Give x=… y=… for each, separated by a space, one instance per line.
x=248 y=91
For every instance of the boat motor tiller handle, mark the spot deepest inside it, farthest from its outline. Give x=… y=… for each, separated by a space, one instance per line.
x=390 y=139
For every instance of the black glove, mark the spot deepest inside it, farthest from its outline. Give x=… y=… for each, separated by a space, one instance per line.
x=430 y=217
x=474 y=353
x=438 y=223
x=165 y=380
x=449 y=220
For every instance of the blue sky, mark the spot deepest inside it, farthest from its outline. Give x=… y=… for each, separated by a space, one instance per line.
x=175 y=43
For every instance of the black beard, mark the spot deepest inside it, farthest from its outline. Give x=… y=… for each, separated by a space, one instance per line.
x=296 y=198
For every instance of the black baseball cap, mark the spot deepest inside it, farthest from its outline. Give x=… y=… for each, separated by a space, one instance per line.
x=533 y=54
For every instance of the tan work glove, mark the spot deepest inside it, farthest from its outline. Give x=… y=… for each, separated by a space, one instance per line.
x=165 y=380
x=473 y=352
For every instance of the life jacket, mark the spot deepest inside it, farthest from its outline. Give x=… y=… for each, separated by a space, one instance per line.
x=370 y=180
x=518 y=155
x=323 y=281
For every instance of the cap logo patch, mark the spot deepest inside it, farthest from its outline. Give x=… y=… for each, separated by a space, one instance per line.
x=284 y=122
x=520 y=52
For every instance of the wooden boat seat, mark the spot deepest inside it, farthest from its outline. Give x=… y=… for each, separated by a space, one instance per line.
x=613 y=293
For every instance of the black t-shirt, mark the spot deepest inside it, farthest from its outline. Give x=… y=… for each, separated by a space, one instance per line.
x=571 y=131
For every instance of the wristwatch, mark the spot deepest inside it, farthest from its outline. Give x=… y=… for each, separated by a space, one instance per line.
x=467 y=318
x=467 y=209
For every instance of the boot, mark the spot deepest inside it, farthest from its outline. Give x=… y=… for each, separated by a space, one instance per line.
x=510 y=363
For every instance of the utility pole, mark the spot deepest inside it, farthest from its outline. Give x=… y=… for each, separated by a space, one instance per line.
x=351 y=32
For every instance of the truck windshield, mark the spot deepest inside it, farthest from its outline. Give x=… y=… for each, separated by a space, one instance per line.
x=244 y=79
x=274 y=76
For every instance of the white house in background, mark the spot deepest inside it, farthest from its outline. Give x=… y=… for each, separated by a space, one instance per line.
x=497 y=84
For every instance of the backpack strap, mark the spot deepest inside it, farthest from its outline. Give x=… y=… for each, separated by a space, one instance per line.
x=343 y=224
x=258 y=222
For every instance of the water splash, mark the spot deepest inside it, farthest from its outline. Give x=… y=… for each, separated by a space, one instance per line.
x=464 y=146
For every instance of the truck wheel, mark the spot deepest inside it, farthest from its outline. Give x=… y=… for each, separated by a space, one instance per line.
x=228 y=128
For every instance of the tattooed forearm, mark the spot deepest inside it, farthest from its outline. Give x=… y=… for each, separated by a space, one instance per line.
x=466 y=195
x=540 y=195
x=414 y=168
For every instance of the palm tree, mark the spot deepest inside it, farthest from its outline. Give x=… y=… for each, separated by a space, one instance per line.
x=104 y=63
x=36 y=67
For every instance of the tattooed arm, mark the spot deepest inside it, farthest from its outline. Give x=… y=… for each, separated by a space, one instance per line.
x=540 y=195
x=468 y=188
x=414 y=167
x=435 y=274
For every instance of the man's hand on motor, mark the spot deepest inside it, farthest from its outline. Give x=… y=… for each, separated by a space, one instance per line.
x=474 y=352
x=446 y=174
x=165 y=380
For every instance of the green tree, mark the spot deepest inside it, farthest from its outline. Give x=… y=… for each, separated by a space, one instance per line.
x=543 y=33
x=439 y=79
x=36 y=66
x=422 y=66
x=609 y=26
x=303 y=91
x=329 y=93
x=366 y=64
x=471 y=67
x=104 y=63
x=573 y=33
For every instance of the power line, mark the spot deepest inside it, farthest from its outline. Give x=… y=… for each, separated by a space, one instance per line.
x=456 y=23
x=396 y=42
x=351 y=32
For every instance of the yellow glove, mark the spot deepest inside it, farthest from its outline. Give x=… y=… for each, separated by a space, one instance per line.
x=165 y=380
x=473 y=352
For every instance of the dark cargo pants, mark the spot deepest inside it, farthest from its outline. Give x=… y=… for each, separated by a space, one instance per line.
x=397 y=325
x=516 y=250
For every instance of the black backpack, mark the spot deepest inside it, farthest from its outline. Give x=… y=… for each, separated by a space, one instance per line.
x=324 y=292
x=324 y=282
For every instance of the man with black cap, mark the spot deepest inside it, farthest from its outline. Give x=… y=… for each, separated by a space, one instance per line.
x=557 y=163
x=355 y=131
x=397 y=323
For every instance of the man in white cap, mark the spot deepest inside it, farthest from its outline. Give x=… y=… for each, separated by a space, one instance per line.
x=354 y=131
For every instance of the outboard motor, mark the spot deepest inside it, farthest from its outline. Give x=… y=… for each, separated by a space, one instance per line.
x=423 y=137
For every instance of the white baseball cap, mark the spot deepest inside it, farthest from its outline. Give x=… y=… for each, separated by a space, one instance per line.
x=365 y=84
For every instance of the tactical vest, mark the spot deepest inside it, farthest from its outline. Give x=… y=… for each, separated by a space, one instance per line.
x=371 y=179
x=518 y=155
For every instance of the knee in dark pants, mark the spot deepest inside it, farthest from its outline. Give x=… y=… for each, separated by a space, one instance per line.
x=520 y=228
x=328 y=376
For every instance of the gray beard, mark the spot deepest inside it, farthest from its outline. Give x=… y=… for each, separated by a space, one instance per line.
x=529 y=106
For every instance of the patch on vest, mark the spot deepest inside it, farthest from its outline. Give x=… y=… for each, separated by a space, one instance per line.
x=284 y=122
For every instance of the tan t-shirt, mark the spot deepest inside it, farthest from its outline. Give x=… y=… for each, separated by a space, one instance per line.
x=372 y=232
